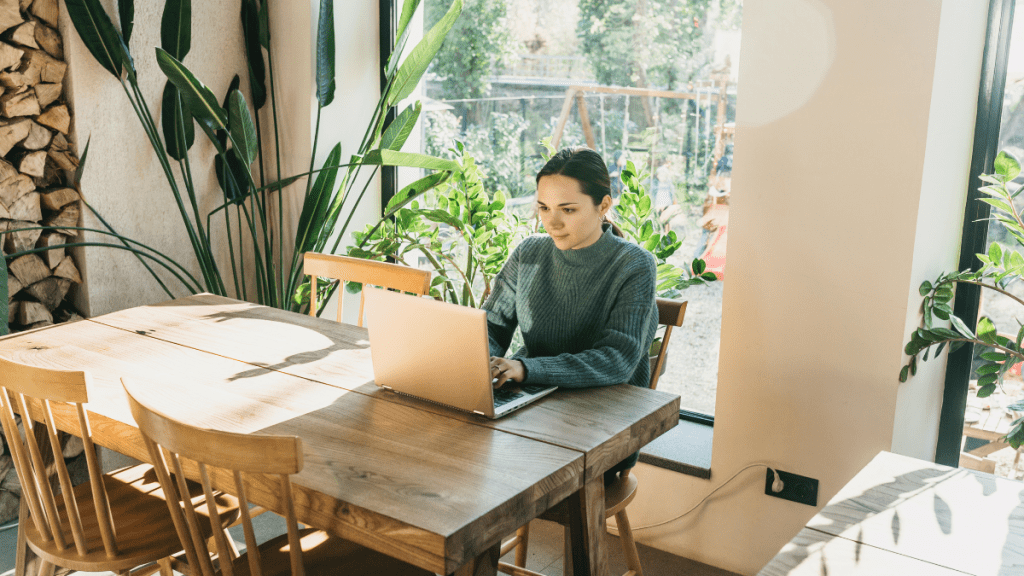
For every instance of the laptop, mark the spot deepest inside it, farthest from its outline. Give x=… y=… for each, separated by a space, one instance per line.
x=438 y=352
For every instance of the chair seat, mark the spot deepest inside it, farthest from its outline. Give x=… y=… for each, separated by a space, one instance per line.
x=145 y=531
x=617 y=496
x=326 y=555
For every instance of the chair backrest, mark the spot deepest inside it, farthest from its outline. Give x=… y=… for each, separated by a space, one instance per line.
x=33 y=390
x=670 y=315
x=170 y=442
x=345 y=268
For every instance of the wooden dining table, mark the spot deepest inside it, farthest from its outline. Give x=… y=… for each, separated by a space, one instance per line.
x=430 y=485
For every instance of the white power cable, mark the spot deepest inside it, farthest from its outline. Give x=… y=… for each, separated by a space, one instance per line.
x=776 y=487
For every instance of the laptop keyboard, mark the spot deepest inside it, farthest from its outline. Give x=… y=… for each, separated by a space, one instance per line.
x=503 y=396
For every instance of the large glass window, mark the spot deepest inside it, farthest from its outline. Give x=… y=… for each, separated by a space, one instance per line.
x=988 y=418
x=651 y=82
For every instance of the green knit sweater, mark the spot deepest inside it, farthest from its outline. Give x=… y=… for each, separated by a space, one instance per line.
x=587 y=316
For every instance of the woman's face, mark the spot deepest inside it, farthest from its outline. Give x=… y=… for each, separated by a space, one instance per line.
x=569 y=216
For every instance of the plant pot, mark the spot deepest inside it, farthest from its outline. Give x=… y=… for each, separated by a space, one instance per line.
x=654 y=363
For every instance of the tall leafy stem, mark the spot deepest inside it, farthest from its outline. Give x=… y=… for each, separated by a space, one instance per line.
x=1000 y=267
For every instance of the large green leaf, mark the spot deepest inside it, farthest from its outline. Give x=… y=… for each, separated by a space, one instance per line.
x=179 y=131
x=231 y=175
x=400 y=129
x=264 y=27
x=325 y=54
x=81 y=162
x=243 y=131
x=200 y=100
x=254 y=53
x=126 y=10
x=413 y=191
x=4 y=308
x=99 y=35
x=961 y=327
x=408 y=8
x=986 y=330
x=314 y=208
x=413 y=68
x=384 y=157
x=1007 y=166
x=176 y=28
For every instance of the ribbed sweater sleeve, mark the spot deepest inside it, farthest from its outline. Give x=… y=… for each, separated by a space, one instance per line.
x=501 y=306
x=587 y=316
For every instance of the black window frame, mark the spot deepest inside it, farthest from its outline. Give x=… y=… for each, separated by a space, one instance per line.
x=975 y=228
x=389 y=175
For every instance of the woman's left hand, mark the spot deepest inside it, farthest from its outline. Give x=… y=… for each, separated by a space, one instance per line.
x=504 y=370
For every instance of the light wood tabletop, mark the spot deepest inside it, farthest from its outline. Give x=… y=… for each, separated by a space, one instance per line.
x=900 y=515
x=431 y=486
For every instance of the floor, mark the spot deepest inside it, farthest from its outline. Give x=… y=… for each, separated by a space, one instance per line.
x=545 y=552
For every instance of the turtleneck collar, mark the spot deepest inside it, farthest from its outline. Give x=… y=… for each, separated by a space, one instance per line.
x=596 y=252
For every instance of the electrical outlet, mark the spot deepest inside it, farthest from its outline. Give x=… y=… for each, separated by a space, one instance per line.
x=795 y=488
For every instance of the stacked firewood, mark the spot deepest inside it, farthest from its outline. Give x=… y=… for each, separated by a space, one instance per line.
x=36 y=163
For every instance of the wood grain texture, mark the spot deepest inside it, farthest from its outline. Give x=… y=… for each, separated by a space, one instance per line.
x=432 y=490
x=607 y=424
x=814 y=553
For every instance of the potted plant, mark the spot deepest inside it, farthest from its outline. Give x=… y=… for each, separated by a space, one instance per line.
x=1001 y=267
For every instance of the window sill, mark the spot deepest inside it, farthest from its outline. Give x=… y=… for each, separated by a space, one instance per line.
x=686 y=449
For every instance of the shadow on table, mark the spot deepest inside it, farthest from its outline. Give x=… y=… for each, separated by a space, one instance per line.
x=851 y=512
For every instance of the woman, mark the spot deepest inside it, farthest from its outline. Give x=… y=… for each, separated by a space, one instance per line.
x=582 y=296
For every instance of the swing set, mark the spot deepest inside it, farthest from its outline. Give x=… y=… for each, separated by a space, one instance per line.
x=714 y=92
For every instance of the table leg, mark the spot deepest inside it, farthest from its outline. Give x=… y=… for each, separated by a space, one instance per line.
x=587 y=529
x=486 y=564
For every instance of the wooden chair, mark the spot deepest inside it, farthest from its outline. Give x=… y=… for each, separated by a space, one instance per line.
x=298 y=552
x=619 y=493
x=114 y=522
x=371 y=272
x=981 y=464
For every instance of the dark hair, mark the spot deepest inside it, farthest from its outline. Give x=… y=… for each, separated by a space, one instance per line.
x=586 y=167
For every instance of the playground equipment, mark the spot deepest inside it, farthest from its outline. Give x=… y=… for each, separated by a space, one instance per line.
x=715 y=92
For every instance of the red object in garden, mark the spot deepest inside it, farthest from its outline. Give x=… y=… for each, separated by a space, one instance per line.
x=714 y=254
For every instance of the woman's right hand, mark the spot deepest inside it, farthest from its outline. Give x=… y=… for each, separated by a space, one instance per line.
x=505 y=370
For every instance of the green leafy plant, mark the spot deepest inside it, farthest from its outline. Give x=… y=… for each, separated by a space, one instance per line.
x=1000 y=267
x=238 y=140
x=463 y=232
x=639 y=222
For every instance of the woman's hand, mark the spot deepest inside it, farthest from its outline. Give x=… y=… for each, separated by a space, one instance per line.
x=504 y=370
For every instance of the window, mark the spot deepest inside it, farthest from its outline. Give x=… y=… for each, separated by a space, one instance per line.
x=1000 y=125
x=651 y=82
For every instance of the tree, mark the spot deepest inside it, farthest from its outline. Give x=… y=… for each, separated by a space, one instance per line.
x=478 y=42
x=648 y=43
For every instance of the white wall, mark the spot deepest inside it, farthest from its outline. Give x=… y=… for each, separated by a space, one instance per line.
x=854 y=123
x=123 y=179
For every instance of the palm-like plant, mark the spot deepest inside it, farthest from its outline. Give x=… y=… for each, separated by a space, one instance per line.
x=238 y=141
